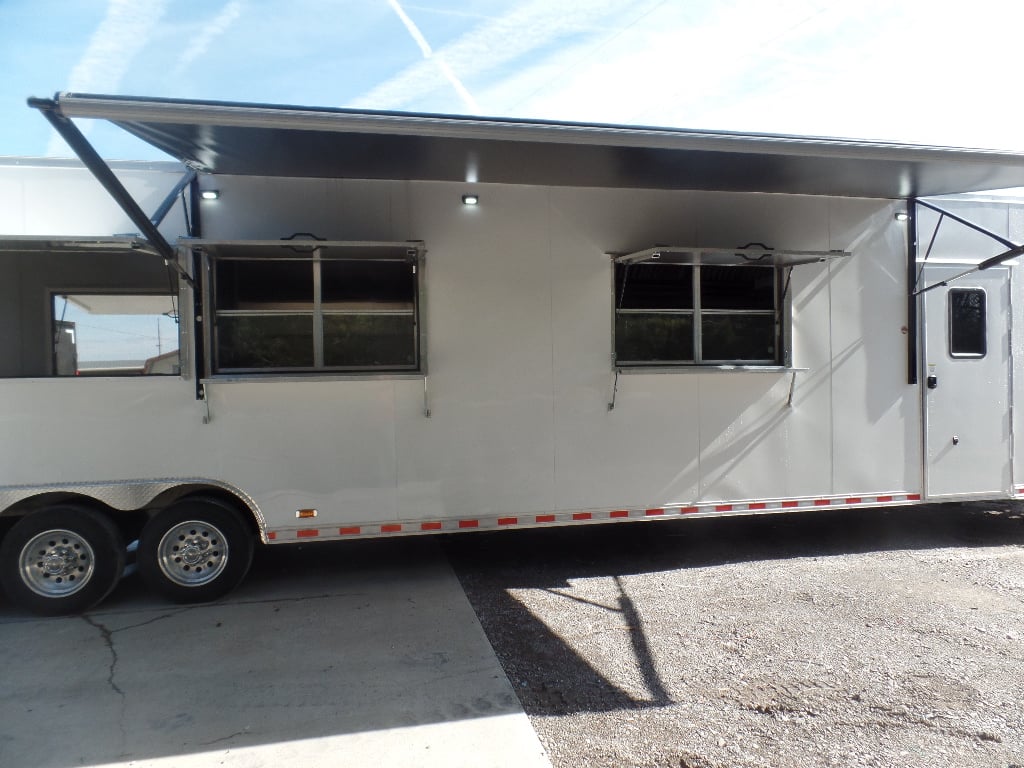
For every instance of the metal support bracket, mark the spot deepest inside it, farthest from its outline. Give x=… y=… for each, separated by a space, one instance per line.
x=105 y=176
x=205 y=398
x=1013 y=249
x=172 y=197
x=914 y=272
x=615 y=391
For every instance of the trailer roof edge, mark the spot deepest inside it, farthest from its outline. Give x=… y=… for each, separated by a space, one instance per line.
x=233 y=138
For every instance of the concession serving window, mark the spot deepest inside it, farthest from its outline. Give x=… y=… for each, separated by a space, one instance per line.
x=303 y=306
x=684 y=307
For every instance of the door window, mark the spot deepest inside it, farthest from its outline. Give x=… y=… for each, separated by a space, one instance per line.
x=967 y=322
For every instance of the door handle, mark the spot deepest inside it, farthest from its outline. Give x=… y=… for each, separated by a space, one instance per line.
x=933 y=382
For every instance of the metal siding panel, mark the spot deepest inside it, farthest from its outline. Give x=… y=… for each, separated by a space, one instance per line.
x=12 y=192
x=75 y=430
x=754 y=444
x=488 y=447
x=745 y=447
x=326 y=445
x=1017 y=373
x=644 y=451
x=877 y=423
x=333 y=209
x=784 y=222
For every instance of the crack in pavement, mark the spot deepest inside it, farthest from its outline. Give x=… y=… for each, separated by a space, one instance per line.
x=151 y=621
x=108 y=640
x=223 y=738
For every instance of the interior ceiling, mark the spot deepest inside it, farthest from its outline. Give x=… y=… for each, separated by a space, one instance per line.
x=270 y=140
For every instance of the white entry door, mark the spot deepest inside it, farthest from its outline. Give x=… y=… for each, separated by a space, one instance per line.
x=966 y=383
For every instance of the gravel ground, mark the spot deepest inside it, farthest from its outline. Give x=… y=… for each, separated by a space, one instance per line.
x=867 y=638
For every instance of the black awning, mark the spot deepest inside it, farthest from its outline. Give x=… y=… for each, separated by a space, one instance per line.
x=270 y=140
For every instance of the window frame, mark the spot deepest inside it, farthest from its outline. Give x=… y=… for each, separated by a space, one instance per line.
x=781 y=314
x=315 y=253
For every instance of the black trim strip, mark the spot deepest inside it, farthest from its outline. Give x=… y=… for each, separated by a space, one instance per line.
x=912 y=308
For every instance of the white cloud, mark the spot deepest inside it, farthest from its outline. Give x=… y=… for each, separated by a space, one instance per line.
x=917 y=71
x=120 y=37
x=201 y=43
x=494 y=44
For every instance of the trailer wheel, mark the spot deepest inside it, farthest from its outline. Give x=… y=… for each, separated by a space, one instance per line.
x=62 y=559
x=195 y=551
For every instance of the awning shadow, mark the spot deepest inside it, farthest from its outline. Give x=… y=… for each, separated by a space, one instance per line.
x=551 y=678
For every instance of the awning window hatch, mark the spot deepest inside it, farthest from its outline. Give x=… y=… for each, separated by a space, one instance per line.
x=745 y=256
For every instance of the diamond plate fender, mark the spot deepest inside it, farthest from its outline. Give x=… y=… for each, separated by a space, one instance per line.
x=126 y=494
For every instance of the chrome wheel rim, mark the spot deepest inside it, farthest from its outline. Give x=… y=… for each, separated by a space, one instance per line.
x=57 y=563
x=193 y=553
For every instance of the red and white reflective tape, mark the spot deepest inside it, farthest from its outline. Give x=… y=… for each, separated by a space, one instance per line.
x=700 y=509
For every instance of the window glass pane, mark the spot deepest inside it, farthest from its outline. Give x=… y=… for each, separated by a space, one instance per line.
x=265 y=341
x=736 y=338
x=269 y=314
x=737 y=287
x=115 y=335
x=264 y=284
x=653 y=286
x=648 y=338
x=967 y=322
x=386 y=341
x=367 y=284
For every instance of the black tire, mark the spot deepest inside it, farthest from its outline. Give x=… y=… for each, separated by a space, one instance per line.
x=62 y=559
x=195 y=551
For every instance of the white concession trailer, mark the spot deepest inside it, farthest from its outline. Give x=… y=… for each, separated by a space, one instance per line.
x=334 y=324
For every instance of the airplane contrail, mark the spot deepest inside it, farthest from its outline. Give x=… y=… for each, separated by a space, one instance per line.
x=121 y=36
x=428 y=53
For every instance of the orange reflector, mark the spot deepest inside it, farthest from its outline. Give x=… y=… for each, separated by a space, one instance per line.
x=302 y=514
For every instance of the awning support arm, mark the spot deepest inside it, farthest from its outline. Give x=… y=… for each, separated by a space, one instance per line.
x=1013 y=249
x=105 y=176
x=172 y=197
x=967 y=223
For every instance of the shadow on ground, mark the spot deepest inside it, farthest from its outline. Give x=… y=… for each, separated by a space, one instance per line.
x=552 y=679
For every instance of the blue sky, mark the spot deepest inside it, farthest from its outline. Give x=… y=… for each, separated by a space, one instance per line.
x=934 y=72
